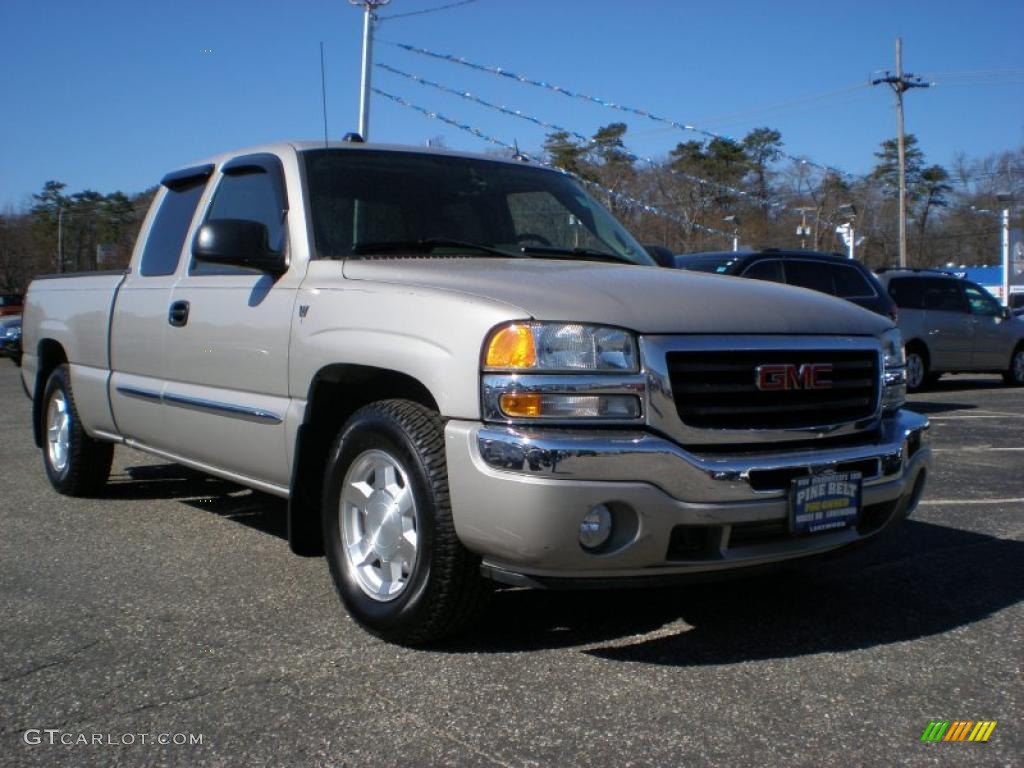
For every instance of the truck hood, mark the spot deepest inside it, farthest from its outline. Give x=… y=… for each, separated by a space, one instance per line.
x=644 y=299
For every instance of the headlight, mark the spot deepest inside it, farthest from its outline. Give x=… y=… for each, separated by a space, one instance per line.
x=561 y=372
x=894 y=371
x=566 y=347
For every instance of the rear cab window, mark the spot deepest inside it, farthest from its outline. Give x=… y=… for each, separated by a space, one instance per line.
x=166 y=237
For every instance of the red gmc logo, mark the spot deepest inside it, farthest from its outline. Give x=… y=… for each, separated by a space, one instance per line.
x=788 y=376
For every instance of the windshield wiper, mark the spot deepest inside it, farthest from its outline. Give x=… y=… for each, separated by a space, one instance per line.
x=426 y=245
x=581 y=253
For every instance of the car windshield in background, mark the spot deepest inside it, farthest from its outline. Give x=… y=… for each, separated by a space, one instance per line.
x=721 y=265
x=367 y=202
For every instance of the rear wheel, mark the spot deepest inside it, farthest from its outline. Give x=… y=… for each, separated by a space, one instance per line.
x=396 y=562
x=918 y=375
x=76 y=464
x=1014 y=375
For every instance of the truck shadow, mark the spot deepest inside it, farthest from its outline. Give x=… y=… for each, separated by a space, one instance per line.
x=925 y=407
x=253 y=509
x=923 y=580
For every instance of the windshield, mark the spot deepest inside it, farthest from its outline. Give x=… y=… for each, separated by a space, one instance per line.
x=372 y=201
x=721 y=265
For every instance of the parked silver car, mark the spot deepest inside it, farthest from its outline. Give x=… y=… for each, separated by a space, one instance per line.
x=951 y=325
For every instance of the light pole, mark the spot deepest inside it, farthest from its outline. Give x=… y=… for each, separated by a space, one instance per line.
x=1006 y=199
x=369 y=18
x=735 y=221
x=803 y=230
x=847 y=230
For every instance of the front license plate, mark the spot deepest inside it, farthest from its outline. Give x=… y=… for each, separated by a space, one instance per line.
x=826 y=502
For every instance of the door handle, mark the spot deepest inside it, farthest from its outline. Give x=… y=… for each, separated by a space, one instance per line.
x=178 y=314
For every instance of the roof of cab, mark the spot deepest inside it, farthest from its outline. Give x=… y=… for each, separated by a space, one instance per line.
x=282 y=148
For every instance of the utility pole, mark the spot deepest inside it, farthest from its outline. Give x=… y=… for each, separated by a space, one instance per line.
x=369 y=19
x=901 y=83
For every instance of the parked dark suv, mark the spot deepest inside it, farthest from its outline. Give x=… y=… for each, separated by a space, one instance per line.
x=10 y=304
x=826 y=272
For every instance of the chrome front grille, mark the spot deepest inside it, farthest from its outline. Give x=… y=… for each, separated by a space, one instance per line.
x=718 y=390
x=703 y=390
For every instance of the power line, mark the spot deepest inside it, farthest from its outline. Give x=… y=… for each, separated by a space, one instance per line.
x=501 y=71
x=394 y=16
x=617 y=196
x=519 y=114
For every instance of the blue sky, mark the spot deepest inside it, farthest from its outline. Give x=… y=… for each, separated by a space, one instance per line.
x=110 y=95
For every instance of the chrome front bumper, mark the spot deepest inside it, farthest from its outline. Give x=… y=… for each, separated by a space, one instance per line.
x=519 y=494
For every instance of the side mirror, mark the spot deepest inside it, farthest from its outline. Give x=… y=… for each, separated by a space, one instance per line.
x=1007 y=313
x=661 y=255
x=237 y=243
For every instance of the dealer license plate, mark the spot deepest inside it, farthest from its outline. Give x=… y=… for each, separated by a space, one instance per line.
x=822 y=503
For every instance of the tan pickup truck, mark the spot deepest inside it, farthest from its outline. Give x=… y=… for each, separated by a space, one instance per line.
x=461 y=370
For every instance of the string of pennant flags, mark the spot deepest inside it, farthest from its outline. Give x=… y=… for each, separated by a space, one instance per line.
x=618 y=197
x=519 y=114
x=503 y=72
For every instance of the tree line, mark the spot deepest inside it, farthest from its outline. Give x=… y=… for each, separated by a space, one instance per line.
x=952 y=211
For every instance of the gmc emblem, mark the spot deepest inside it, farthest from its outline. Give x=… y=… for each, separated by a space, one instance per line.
x=788 y=376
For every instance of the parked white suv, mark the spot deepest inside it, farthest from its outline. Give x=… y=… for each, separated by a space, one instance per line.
x=950 y=325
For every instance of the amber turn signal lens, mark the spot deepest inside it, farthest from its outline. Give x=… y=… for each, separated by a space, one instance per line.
x=512 y=347
x=521 y=406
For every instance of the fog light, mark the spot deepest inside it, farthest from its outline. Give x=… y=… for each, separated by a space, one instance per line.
x=596 y=527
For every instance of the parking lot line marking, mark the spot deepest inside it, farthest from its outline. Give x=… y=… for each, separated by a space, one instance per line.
x=975 y=449
x=968 y=416
x=1001 y=413
x=937 y=502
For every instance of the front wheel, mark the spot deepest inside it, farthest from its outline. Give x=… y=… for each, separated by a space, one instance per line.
x=1014 y=375
x=390 y=541
x=76 y=464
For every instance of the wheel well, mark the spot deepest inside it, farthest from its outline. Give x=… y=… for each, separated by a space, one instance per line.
x=336 y=392
x=51 y=355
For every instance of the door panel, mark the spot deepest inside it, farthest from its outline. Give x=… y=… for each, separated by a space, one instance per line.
x=227 y=355
x=993 y=336
x=139 y=318
x=948 y=327
x=232 y=356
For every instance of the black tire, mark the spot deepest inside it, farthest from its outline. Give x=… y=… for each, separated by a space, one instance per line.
x=915 y=382
x=1014 y=374
x=88 y=461
x=443 y=591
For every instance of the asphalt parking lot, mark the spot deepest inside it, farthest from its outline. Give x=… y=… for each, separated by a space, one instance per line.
x=173 y=606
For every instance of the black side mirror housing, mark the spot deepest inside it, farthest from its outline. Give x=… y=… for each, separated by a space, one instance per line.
x=662 y=255
x=1007 y=313
x=237 y=243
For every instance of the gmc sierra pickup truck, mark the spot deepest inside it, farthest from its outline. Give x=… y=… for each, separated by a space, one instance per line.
x=460 y=370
